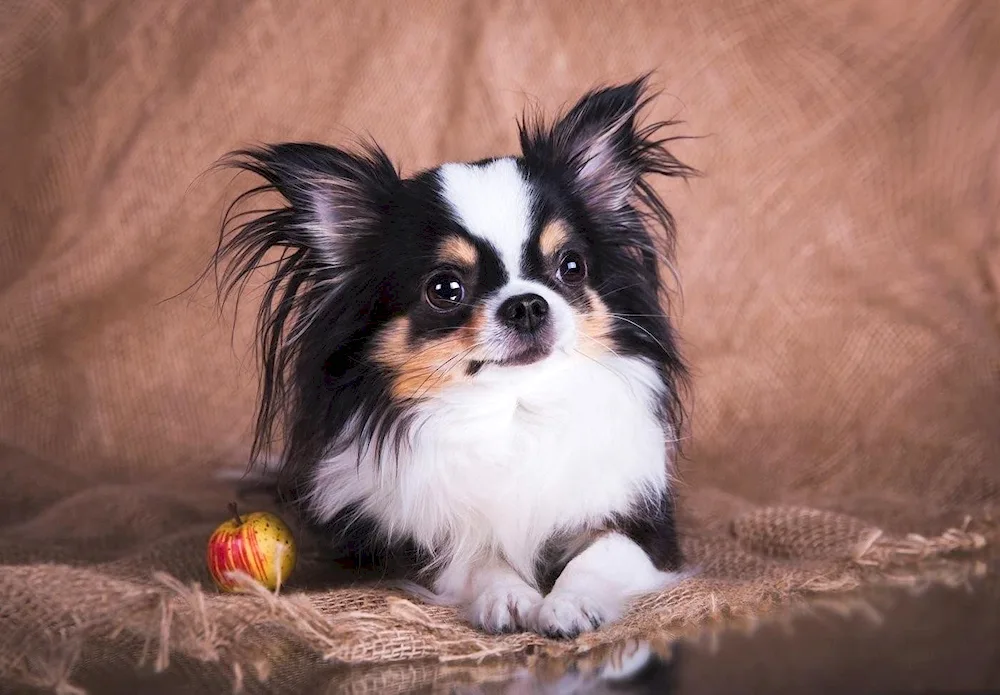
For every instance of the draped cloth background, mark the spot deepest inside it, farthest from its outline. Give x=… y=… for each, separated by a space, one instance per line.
x=840 y=264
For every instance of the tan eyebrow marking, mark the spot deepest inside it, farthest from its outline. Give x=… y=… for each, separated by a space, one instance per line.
x=553 y=237
x=458 y=251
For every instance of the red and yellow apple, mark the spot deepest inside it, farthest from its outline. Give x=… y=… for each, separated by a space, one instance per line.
x=259 y=544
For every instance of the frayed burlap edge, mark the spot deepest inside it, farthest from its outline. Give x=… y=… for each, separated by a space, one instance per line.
x=59 y=608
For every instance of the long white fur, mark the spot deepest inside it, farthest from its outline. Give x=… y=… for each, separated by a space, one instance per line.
x=494 y=466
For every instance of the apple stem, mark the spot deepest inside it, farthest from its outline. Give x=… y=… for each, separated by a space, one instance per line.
x=236 y=514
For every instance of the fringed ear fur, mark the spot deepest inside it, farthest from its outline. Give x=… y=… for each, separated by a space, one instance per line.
x=604 y=150
x=334 y=196
x=334 y=199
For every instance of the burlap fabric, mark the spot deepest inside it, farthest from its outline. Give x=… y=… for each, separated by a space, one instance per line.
x=840 y=261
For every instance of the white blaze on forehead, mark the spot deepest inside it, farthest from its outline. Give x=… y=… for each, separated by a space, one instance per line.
x=493 y=202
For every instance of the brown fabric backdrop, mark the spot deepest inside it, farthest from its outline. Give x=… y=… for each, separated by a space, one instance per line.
x=840 y=259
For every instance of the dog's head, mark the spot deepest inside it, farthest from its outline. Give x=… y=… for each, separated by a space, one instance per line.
x=390 y=289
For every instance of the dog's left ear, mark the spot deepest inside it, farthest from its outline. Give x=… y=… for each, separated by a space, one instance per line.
x=600 y=147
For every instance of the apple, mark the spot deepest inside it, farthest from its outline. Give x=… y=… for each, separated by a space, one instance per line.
x=259 y=544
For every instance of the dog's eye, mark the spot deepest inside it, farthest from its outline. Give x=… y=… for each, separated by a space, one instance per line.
x=572 y=268
x=445 y=291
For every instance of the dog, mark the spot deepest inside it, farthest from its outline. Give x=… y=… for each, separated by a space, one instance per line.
x=473 y=364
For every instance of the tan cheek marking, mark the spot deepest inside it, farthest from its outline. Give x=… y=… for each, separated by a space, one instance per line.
x=428 y=365
x=458 y=251
x=553 y=238
x=596 y=325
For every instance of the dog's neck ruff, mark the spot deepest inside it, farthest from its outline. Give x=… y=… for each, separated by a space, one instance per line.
x=500 y=463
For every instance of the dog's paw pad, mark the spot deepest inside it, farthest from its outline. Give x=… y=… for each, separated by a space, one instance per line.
x=504 y=607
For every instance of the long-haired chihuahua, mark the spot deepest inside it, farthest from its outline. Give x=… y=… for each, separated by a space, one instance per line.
x=473 y=363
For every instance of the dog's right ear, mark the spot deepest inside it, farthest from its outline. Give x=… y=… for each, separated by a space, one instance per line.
x=335 y=198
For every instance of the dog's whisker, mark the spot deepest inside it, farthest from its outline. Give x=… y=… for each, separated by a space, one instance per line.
x=645 y=316
x=436 y=345
x=641 y=328
x=602 y=344
x=601 y=364
x=621 y=289
x=454 y=360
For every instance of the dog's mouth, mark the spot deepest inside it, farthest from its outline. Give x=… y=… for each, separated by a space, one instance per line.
x=531 y=355
x=512 y=348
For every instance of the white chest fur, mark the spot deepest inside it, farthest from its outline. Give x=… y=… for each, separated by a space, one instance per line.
x=502 y=462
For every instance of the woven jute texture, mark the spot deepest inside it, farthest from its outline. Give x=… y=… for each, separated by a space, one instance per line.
x=839 y=260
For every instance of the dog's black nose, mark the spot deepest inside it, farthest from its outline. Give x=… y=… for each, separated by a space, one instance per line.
x=524 y=312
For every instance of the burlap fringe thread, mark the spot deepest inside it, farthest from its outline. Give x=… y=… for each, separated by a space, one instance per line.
x=249 y=633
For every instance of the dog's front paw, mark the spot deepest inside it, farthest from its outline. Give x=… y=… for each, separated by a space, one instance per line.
x=567 y=613
x=504 y=606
